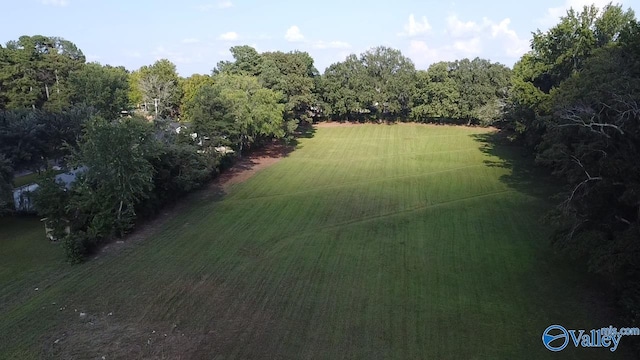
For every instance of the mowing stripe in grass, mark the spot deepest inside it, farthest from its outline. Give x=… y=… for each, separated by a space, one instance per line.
x=367 y=242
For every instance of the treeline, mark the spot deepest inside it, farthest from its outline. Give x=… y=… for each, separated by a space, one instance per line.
x=124 y=132
x=382 y=84
x=574 y=103
x=129 y=168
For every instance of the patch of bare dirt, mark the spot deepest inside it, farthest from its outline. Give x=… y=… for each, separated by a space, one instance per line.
x=210 y=319
x=250 y=165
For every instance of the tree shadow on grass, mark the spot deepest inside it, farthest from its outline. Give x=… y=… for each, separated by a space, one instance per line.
x=524 y=175
x=304 y=131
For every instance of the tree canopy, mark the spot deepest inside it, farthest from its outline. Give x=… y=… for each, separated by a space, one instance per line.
x=104 y=88
x=574 y=104
x=235 y=110
x=34 y=72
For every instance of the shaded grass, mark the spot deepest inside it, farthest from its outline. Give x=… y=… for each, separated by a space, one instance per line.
x=30 y=178
x=367 y=242
x=26 y=179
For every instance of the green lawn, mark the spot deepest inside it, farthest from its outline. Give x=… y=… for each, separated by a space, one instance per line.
x=29 y=179
x=367 y=242
x=26 y=179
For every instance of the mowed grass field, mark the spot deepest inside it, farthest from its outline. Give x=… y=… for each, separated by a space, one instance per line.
x=367 y=242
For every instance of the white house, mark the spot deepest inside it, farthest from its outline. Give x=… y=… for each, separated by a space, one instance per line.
x=22 y=197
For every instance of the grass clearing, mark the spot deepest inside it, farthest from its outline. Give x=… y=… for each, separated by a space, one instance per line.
x=26 y=179
x=30 y=178
x=372 y=241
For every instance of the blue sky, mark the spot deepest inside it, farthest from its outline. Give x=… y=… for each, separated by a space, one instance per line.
x=196 y=34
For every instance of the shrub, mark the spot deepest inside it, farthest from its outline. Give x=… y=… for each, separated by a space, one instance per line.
x=74 y=247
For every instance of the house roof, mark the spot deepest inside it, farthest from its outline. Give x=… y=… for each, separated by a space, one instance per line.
x=69 y=177
x=22 y=195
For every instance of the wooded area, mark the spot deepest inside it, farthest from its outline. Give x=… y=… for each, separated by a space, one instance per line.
x=571 y=102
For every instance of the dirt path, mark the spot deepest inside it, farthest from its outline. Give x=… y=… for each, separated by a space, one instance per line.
x=249 y=165
x=242 y=170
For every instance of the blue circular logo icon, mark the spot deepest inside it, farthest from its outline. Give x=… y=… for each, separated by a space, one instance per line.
x=555 y=338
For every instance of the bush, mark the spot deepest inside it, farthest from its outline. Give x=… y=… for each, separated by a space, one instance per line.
x=74 y=247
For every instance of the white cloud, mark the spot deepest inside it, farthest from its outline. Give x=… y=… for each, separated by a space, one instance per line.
x=60 y=3
x=468 y=39
x=421 y=53
x=229 y=36
x=190 y=41
x=468 y=47
x=514 y=45
x=225 y=4
x=458 y=28
x=331 y=45
x=424 y=55
x=415 y=28
x=554 y=13
x=293 y=34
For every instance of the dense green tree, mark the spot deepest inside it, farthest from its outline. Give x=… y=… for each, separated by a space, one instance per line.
x=556 y=55
x=343 y=87
x=6 y=185
x=207 y=115
x=526 y=102
x=119 y=174
x=390 y=78
x=135 y=93
x=482 y=87
x=23 y=138
x=247 y=61
x=380 y=83
x=178 y=169
x=35 y=72
x=105 y=88
x=30 y=138
x=293 y=75
x=237 y=109
x=255 y=110
x=190 y=87
x=574 y=101
x=593 y=142
x=437 y=95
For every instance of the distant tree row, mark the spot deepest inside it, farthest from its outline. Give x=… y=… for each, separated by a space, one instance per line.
x=382 y=84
